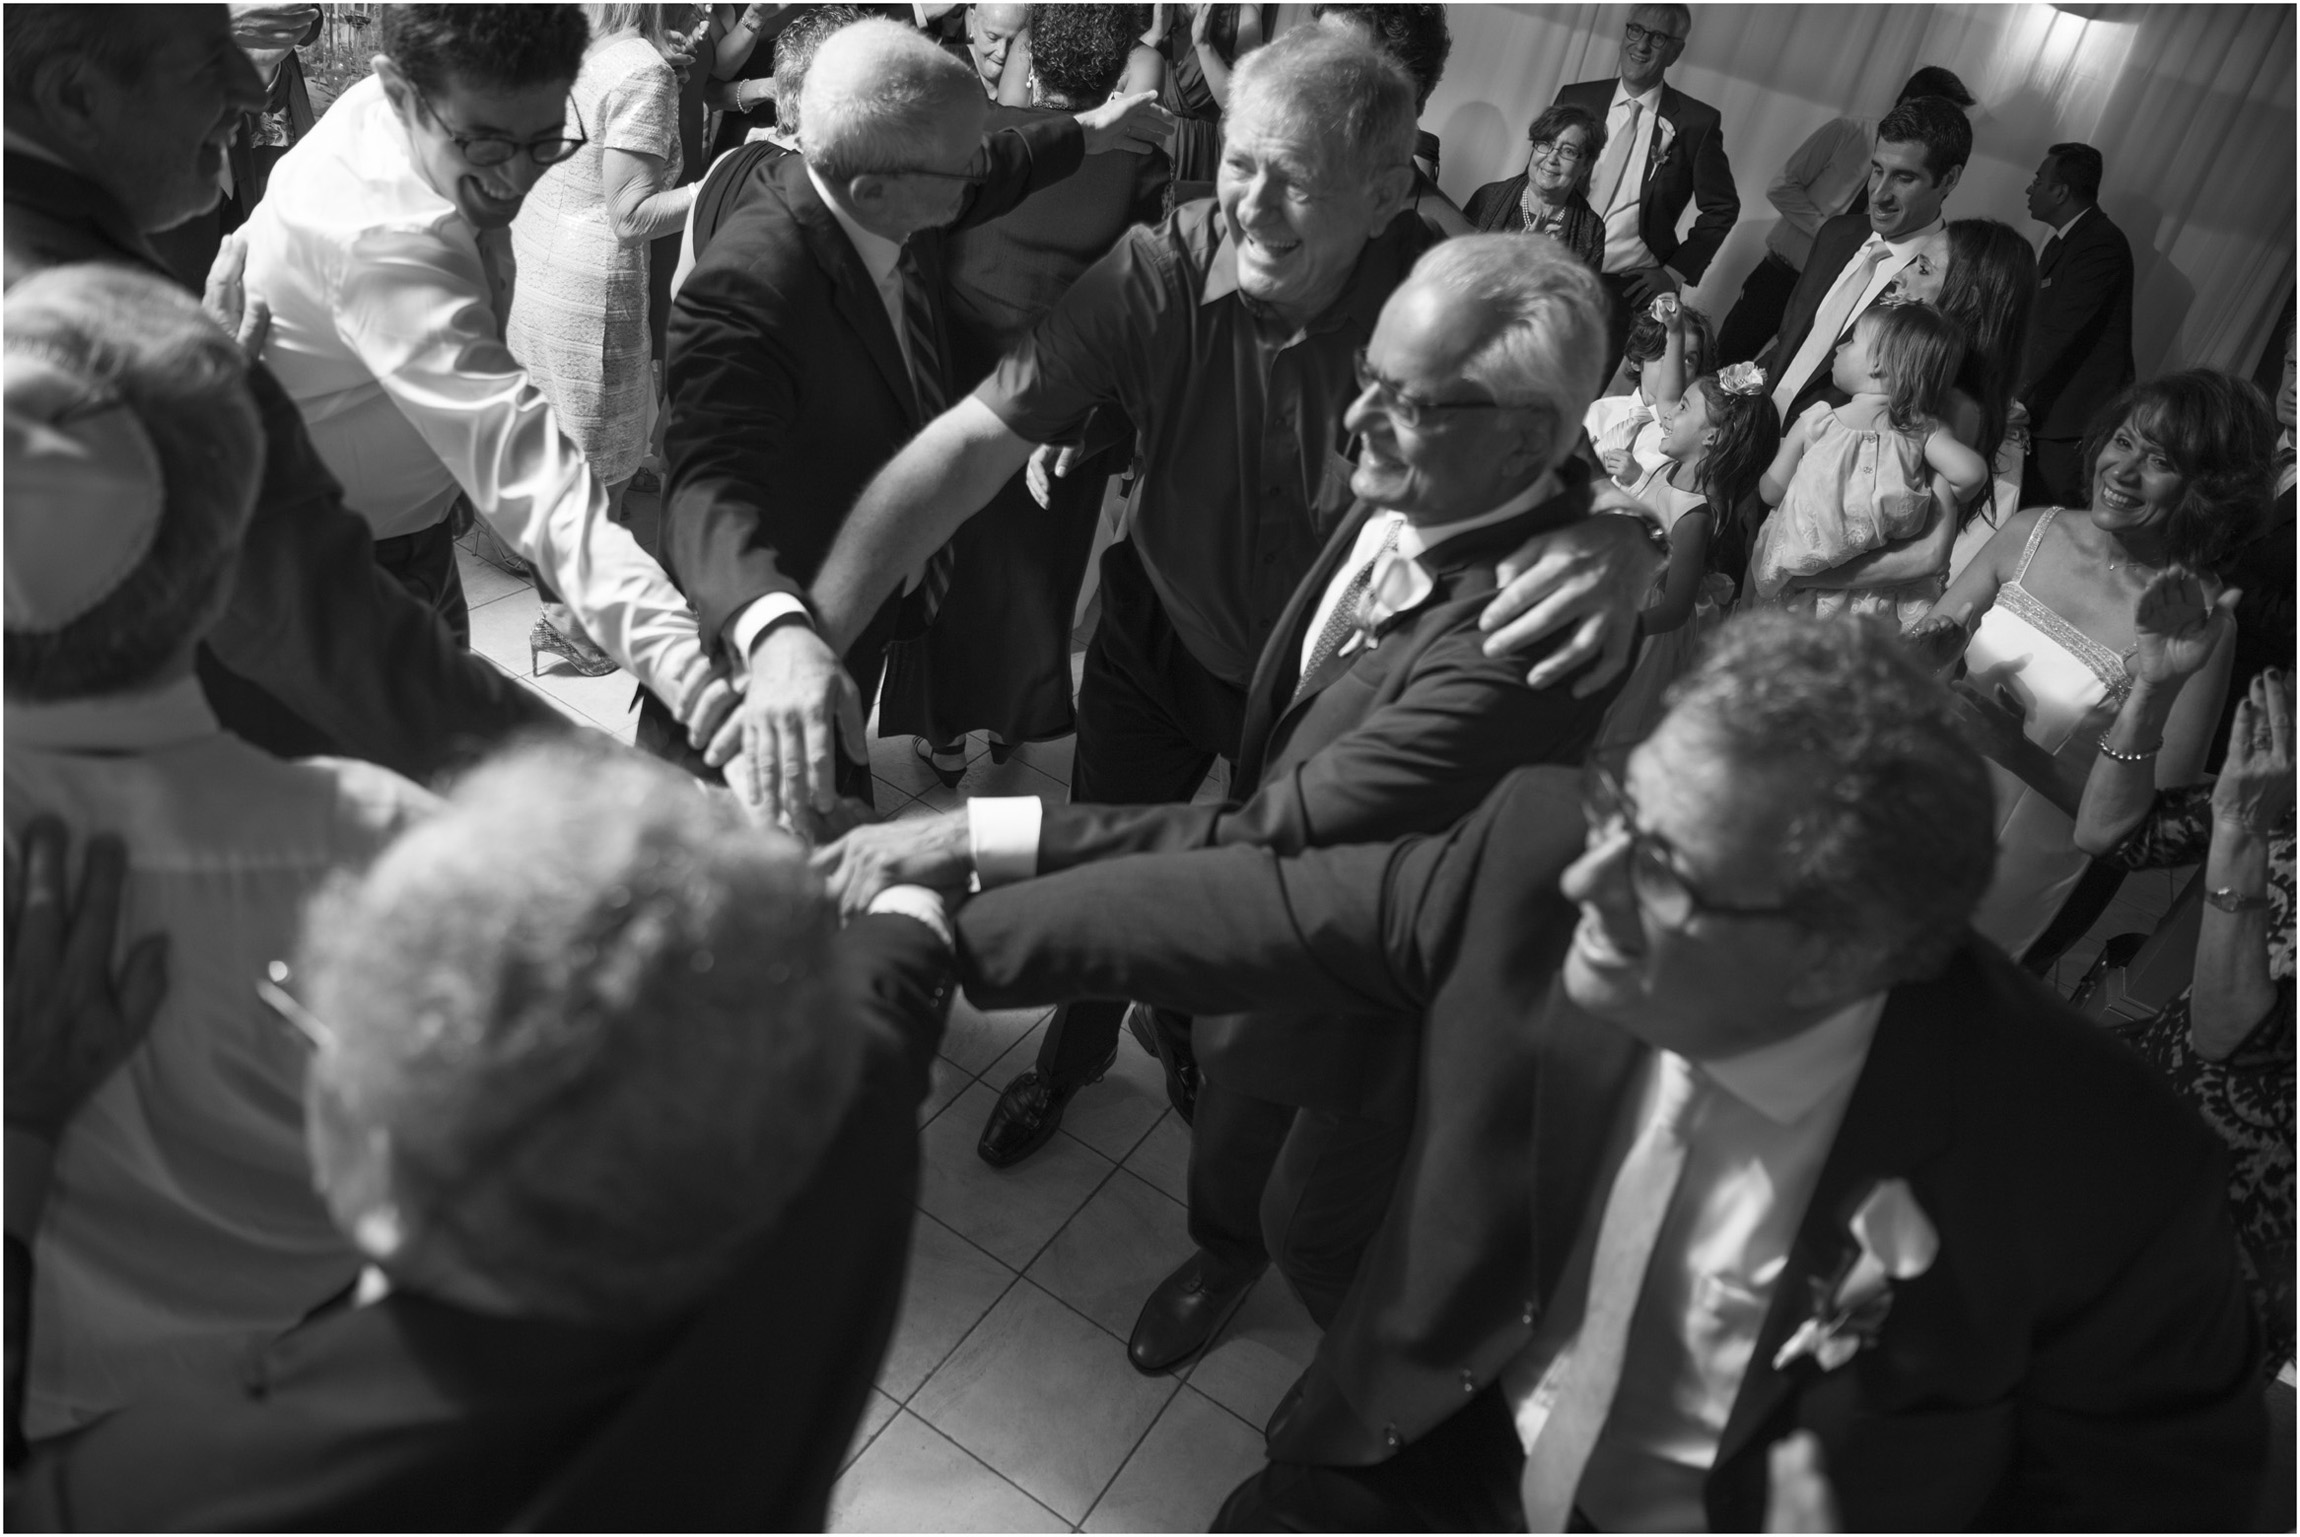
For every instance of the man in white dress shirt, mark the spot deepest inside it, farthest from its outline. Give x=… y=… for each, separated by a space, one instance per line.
x=383 y=252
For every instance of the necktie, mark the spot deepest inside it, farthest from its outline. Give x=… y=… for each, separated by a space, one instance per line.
x=1632 y=1220
x=2050 y=254
x=1613 y=166
x=926 y=383
x=1829 y=323
x=1342 y=623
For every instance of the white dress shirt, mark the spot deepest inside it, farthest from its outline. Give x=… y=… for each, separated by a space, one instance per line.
x=1755 y=1152
x=1624 y=246
x=1816 y=184
x=387 y=335
x=182 y=1215
x=1931 y=242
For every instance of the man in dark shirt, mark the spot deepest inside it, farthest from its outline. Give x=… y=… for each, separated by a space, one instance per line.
x=1226 y=335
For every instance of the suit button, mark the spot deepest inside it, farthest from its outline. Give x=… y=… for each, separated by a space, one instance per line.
x=1529 y=1312
x=1468 y=1380
x=1390 y=1435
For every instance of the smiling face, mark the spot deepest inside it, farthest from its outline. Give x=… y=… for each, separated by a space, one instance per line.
x=1650 y=43
x=990 y=34
x=1298 y=214
x=1558 y=167
x=2135 y=485
x=1904 y=197
x=1686 y=432
x=487 y=195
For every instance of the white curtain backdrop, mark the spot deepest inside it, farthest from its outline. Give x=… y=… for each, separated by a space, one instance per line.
x=2192 y=107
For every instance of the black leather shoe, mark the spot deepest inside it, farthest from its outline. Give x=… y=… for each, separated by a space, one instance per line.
x=1181 y=1075
x=1028 y=1112
x=1187 y=1310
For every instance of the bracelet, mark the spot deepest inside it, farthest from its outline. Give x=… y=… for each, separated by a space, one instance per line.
x=2142 y=756
x=2229 y=900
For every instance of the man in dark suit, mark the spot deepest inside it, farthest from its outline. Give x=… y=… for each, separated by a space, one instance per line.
x=1744 y=1134
x=2080 y=332
x=588 y=1241
x=807 y=344
x=1901 y=244
x=114 y=124
x=1374 y=712
x=1663 y=150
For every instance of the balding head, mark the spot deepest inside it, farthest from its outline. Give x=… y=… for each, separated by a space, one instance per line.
x=893 y=124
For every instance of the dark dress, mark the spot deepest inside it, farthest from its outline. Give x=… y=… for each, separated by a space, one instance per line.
x=1498 y=207
x=2246 y=1098
x=998 y=655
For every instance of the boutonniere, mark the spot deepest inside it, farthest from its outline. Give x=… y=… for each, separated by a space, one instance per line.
x=1895 y=1241
x=1400 y=584
x=1666 y=132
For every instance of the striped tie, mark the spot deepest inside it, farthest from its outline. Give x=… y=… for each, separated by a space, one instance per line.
x=926 y=383
x=1343 y=622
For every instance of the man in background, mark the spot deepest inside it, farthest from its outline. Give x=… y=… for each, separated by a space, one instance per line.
x=2080 y=332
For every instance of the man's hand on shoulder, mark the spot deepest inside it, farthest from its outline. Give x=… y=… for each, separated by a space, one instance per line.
x=1136 y=124
x=1592 y=576
x=800 y=707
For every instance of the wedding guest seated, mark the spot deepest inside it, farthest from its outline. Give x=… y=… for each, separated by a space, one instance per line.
x=624 y=1130
x=182 y=1213
x=1728 y=1128
x=1551 y=195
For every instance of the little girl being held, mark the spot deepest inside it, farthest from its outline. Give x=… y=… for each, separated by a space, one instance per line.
x=1718 y=434
x=1865 y=494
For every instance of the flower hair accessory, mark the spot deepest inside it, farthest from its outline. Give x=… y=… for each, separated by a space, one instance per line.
x=1742 y=379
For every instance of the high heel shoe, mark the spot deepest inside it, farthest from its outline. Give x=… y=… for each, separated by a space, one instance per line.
x=934 y=756
x=576 y=651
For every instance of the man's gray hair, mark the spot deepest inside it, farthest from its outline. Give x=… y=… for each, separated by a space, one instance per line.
x=1336 y=89
x=133 y=340
x=1680 y=14
x=876 y=93
x=1893 y=841
x=596 y=1015
x=1547 y=314
x=117 y=39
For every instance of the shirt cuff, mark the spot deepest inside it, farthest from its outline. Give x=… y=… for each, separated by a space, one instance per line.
x=744 y=629
x=919 y=903
x=1002 y=835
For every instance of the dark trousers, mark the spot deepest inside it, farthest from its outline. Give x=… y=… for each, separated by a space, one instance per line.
x=2053 y=474
x=1756 y=316
x=1151 y=722
x=1307 y=1188
x=1461 y=1477
x=1617 y=319
x=424 y=563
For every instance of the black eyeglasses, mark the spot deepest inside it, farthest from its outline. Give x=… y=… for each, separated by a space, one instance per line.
x=1559 y=151
x=1633 y=34
x=1661 y=889
x=1410 y=409
x=492 y=149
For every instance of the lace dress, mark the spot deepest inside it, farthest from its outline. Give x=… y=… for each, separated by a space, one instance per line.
x=2247 y=1097
x=579 y=313
x=1855 y=490
x=2065 y=686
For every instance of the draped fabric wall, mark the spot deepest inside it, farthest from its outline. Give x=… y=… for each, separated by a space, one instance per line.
x=2192 y=106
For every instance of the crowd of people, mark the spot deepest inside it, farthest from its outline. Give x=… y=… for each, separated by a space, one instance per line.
x=1665 y=762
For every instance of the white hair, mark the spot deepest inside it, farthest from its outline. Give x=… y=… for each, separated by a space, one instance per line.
x=875 y=93
x=1341 y=91
x=1547 y=347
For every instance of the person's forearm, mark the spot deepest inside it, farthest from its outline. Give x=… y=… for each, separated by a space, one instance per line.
x=2233 y=989
x=643 y=213
x=2118 y=791
x=734 y=50
x=955 y=465
x=1904 y=560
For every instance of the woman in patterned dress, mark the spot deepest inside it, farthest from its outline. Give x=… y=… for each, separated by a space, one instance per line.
x=2226 y=1043
x=579 y=308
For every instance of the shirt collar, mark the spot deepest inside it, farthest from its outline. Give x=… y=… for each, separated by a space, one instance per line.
x=1916 y=239
x=1416 y=539
x=171 y=716
x=1650 y=101
x=880 y=256
x=1786 y=1080
x=2062 y=232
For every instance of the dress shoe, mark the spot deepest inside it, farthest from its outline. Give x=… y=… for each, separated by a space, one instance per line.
x=1181 y=1075
x=1028 y=1112
x=1188 y=1309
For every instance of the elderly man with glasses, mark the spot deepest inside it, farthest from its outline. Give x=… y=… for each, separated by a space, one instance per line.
x=1735 y=1148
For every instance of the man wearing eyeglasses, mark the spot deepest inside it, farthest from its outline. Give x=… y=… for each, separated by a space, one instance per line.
x=1663 y=150
x=1730 y=1133
x=383 y=251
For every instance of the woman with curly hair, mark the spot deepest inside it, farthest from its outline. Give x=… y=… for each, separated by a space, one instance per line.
x=1550 y=196
x=2179 y=470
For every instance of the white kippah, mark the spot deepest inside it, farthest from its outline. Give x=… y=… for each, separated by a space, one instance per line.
x=84 y=494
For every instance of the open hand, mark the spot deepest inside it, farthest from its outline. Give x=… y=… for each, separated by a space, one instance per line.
x=917 y=851
x=1050 y=462
x=70 y=1018
x=2254 y=790
x=263 y=28
x=1136 y=124
x=1938 y=642
x=1640 y=285
x=2176 y=625
x=799 y=708
x=1592 y=575
x=225 y=297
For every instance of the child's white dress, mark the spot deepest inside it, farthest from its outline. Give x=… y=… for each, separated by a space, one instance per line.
x=1661 y=659
x=1855 y=490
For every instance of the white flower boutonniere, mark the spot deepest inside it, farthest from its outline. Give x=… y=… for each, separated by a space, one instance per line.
x=1895 y=1241
x=1667 y=135
x=1400 y=584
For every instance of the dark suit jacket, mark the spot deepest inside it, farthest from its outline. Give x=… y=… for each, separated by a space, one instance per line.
x=1404 y=738
x=1833 y=245
x=788 y=388
x=318 y=650
x=2079 y=1355
x=1496 y=206
x=2080 y=332
x=411 y=1414
x=1694 y=170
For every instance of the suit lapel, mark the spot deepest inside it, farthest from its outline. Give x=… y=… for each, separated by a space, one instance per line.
x=1584 y=1068
x=1666 y=112
x=852 y=292
x=1280 y=667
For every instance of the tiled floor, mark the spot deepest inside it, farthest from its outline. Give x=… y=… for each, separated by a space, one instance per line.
x=1006 y=1402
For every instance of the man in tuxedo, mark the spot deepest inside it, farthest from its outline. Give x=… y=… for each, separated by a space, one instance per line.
x=1728 y=1128
x=1900 y=243
x=807 y=345
x=654 y=1106
x=1374 y=712
x=116 y=123
x=1663 y=149
x=2080 y=332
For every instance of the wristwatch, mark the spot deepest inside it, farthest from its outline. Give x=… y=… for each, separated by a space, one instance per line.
x=2229 y=900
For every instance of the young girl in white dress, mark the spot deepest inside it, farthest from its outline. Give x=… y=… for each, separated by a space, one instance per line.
x=1866 y=494
x=1717 y=435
